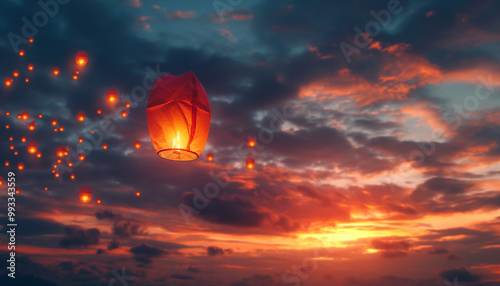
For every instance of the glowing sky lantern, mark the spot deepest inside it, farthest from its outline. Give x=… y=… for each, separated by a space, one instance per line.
x=178 y=113
x=15 y=73
x=81 y=116
x=98 y=201
x=81 y=157
x=80 y=140
x=32 y=125
x=138 y=193
x=85 y=194
x=55 y=71
x=7 y=126
x=105 y=146
x=1 y=180
x=23 y=139
x=25 y=115
x=251 y=142
x=40 y=115
x=16 y=153
x=99 y=111
x=31 y=40
x=7 y=113
x=11 y=138
x=30 y=67
x=26 y=79
x=61 y=128
x=20 y=166
x=127 y=104
x=7 y=163
x=250 y=163
x=39 y=154
x=75 y=76
x=124 y=113
x=12 y=147
x=81 y=58
x=54 y=122
x=32 y=147
x=210 y=157
x=21 y=52
x=112 y=95
x=8 y=81
x=137 y=144
x=72 y=176
x=62 y=151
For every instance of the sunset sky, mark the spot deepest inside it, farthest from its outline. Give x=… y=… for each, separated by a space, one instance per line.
x=377 y=156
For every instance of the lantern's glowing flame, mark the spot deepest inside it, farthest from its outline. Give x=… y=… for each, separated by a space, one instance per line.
x=85 y=198
x=176 y=143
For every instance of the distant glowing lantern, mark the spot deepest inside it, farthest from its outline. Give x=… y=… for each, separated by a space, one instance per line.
x=7 y=126
x=20 y=166
x=39 y=155
x=54 y=122
x=81 y=58
x=251 y=142
x=30 y=67
x=57 y=175
x=55 y=129
x=61 y=128
x=32 y=147
x=124 y=113
x=23 y=139
x=25 y=115
x=70 y=164
x=8 y=81
x=17 y=191
x=31 y=40
x=75 y=76
x=26 y=79
x=11 y=138
x=15 y=73
x=104 y=146
x=178 y=113
x=59 y=161
x=7 y=113
x=32 y=125
x=21 y=52
x=55 y=71
x=40 y=115
x=45 y=189
x=138 y=193
x=112 y=95
x=81 y=116
x=210 y=157
x=99 y=111
x=98 y=201
x=250 y=163
x=16 y=153
x=7 y=163
x=81 y=157
x=62 y=151
x=138 y=144
x=77 y=72
x=127 y=104
x=85 y=194
x=80 y=140
x=72 y=176
x=11 y=147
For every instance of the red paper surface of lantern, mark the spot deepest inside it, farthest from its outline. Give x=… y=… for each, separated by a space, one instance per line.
x=81 y=58
x=179 y=116
x=85 y=194
x=250 y=163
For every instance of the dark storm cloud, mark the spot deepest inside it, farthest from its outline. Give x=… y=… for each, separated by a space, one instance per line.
x=233 y=211
x=181 y=277
x=122 y=227
x=214 y=251
x=193 y=269
x=76 y=236
x=33 y=226
x=461 y=274
x=144 y=253
x=114 y=244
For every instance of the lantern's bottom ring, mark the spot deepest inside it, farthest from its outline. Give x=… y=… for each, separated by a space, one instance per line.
x=176 y=154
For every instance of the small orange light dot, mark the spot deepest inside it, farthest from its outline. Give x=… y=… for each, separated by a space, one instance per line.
x=72 y=176
x=70 y=164
x=15 y=73
x=7 y=126
x=105 y=146
x=127 y=104
x=138 y=193
x=23 y=139
x=80 y=140
x=124 y=113
x=30 y=67
x=30 y=40
x=21 y=53
x=11 y=138
x=99 y=111
x=40 y=115
x=55 y=71
x=27 y=80
x=75 y=77
x=61 y=128
x=20 y=166
x=98 y=201
x=7 y=163
x=39 y=155
x=81 y=157
x=138 y=144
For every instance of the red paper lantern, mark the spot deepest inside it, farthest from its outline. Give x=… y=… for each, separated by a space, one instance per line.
x=179 y=116
x=85 y=194
x=81 y=58
x=250 y=163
